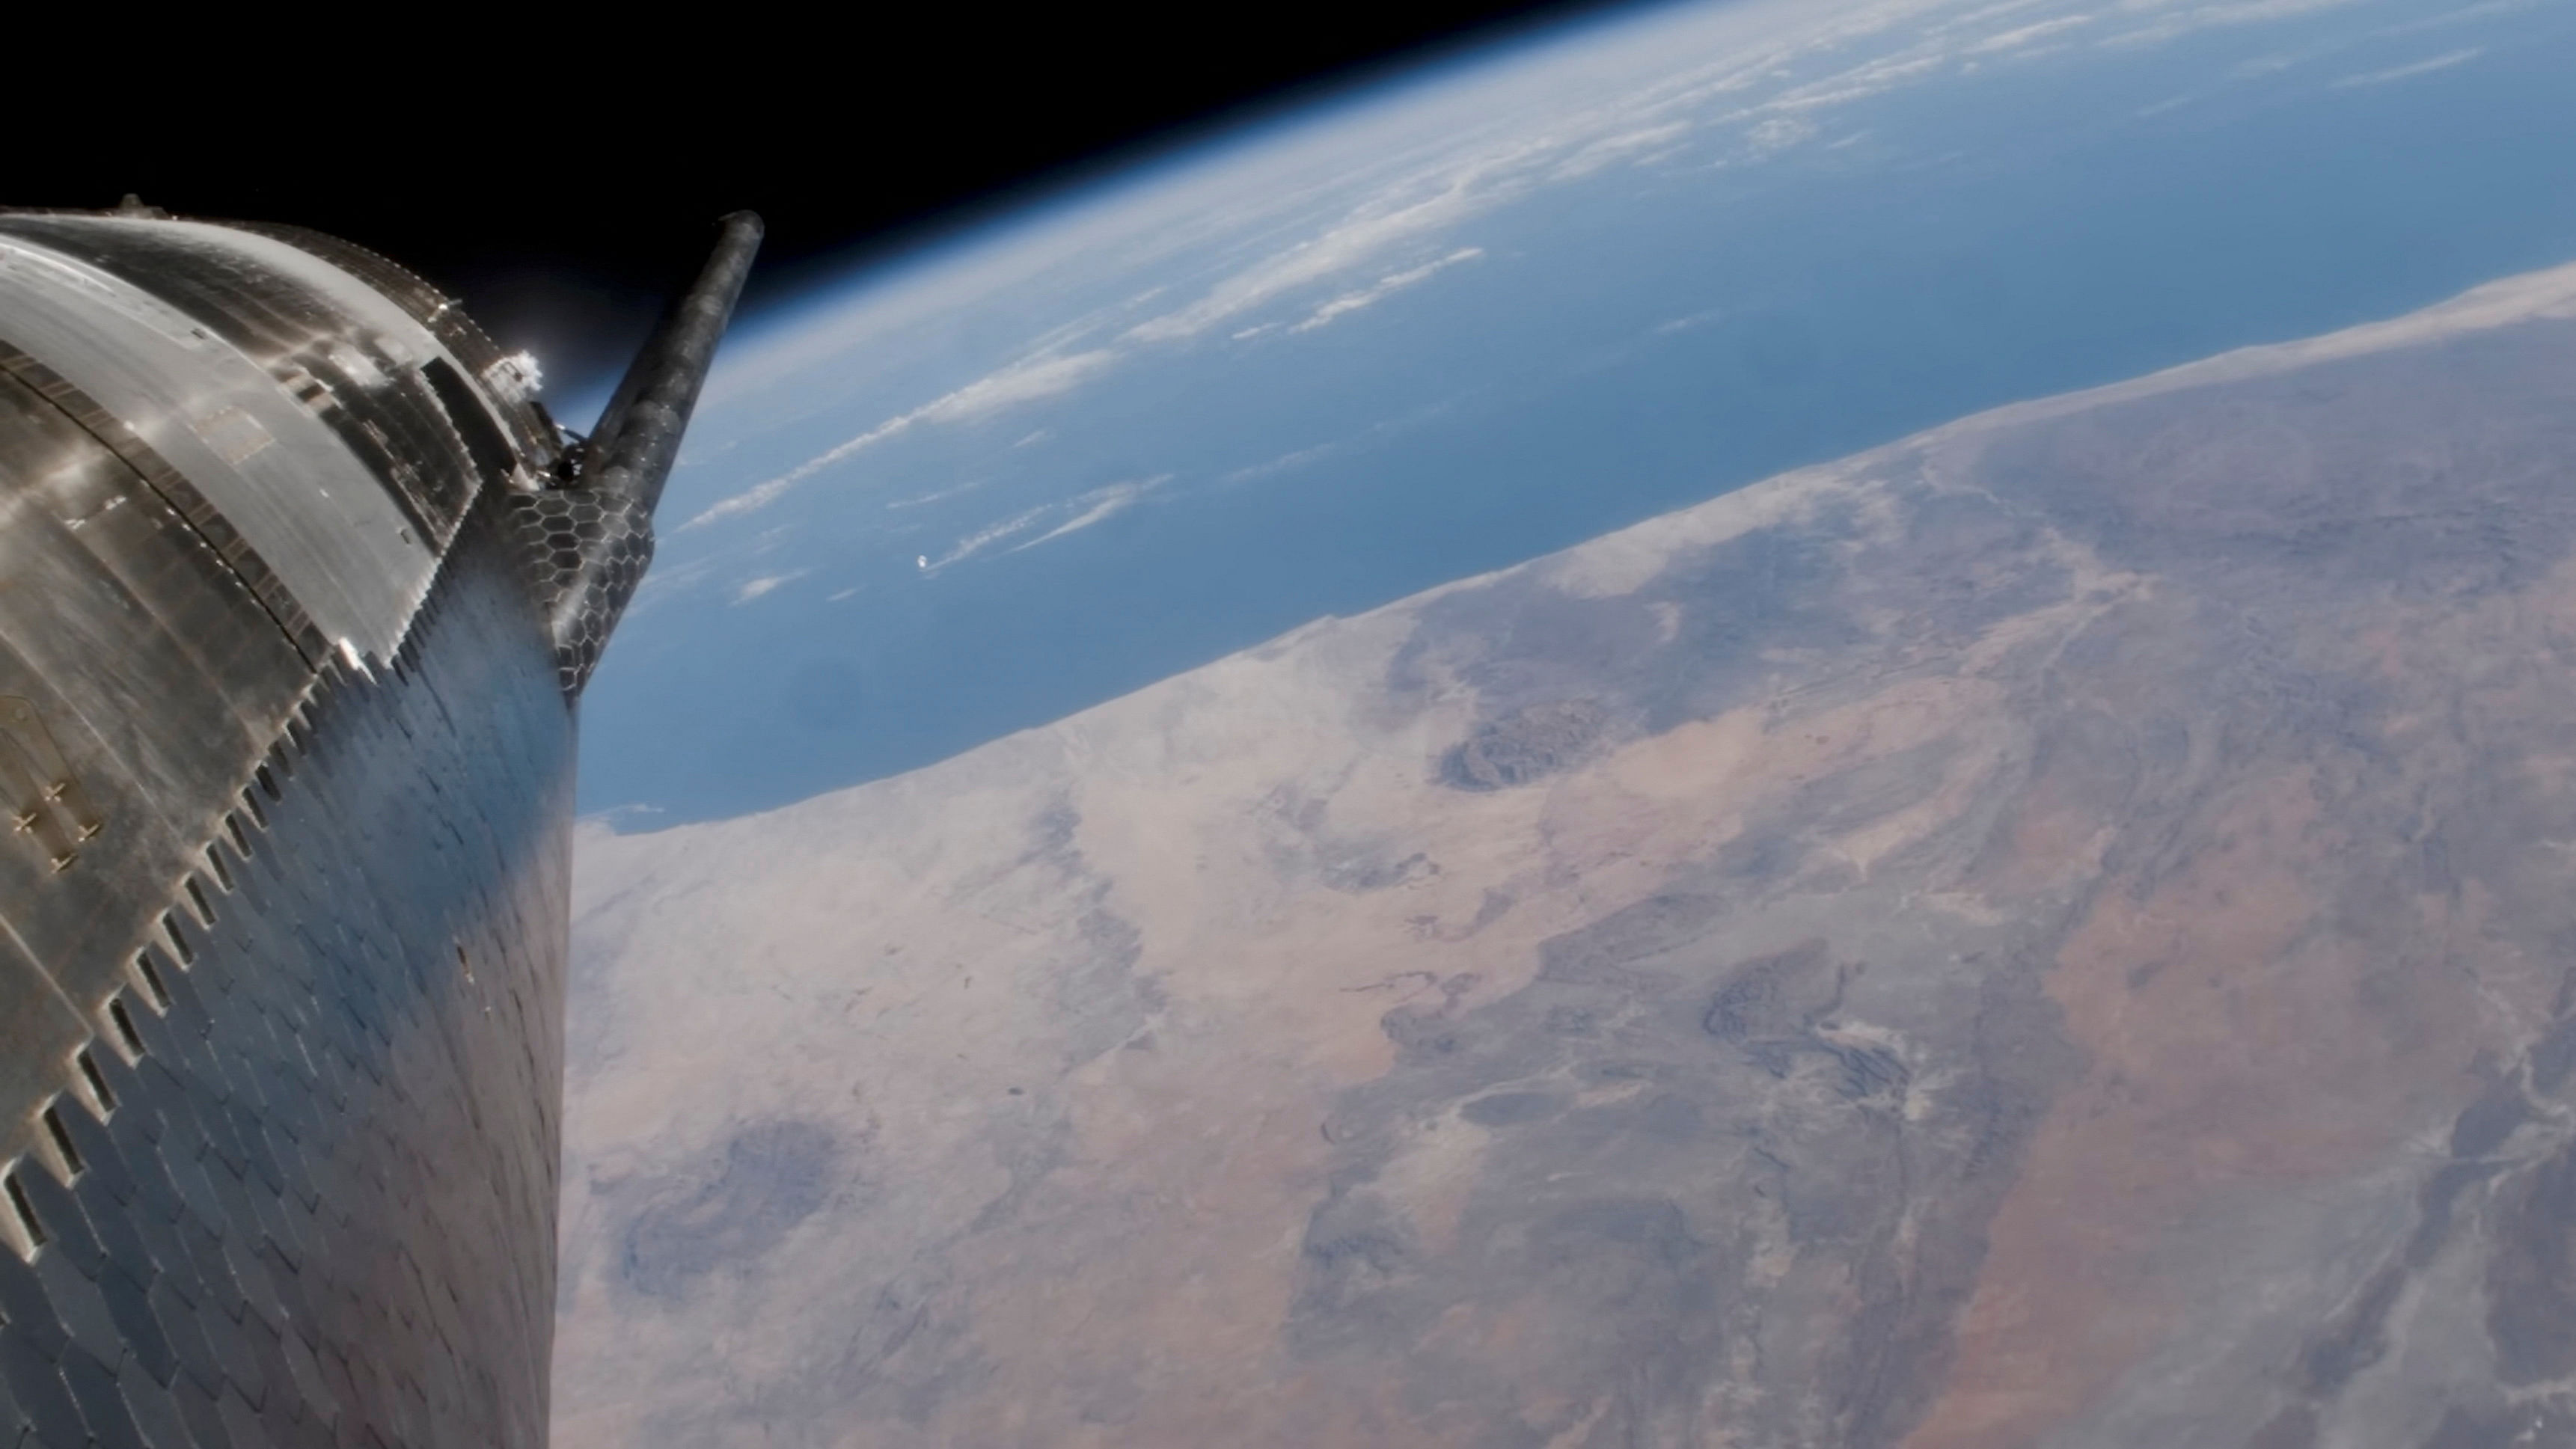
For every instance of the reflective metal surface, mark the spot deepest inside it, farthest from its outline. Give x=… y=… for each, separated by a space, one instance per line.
x=321 y=1204
x=252 y=430
x=588 y=544
x=286 y=750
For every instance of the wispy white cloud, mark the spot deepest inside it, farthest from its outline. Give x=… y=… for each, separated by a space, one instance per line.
x=2028 y=35
x=1373 y=434
x=1026 y=380
x=1096 y=505
x=1859 y=83
x=2421 y=67
x=1625 y=146
x=1349 y=302
x=1297 y=458
x=753 y=588
x=2167 y=20
x=984 y=538
x=1069 y=516
x=1981 y=15
x=1361 y=237
x=1778 y=134
x=761 y=495
x=935 y=496
x=1691 y=322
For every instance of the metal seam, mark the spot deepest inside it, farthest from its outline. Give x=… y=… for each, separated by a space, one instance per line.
x=182 y=496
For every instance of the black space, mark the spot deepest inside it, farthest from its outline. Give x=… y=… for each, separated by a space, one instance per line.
x=561 y=184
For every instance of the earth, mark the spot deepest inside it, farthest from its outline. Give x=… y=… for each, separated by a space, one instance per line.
x=1770 y=725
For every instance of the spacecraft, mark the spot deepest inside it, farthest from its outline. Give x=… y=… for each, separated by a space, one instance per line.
x=299 y=588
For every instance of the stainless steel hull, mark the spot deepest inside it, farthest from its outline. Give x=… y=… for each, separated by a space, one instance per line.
x=297 y=592
x=323 y=1202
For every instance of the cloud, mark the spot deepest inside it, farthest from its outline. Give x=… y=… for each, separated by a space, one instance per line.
x=753 y=588
x=2421 y=67
x=1349 y=302
x=1369 y=232
x=1086 y=509
x=1026 y=380
x=917 y=500
x=1984 y=13
x=2028 y=35
x=1778 y=134
x=1097 y=505
x=761 y=495
x=1858 y=83
x=1281 y=464
x=1369 y=436
x=1610 y=150
x=2184 y=19
x=984 y=538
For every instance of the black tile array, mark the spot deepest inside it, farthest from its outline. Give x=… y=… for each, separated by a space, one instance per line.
x=585 y=550
x=311 y=1199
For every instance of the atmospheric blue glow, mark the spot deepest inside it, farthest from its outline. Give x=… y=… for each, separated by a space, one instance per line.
x=1505 y=306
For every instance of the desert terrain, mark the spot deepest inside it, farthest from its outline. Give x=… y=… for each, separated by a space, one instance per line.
x=2055 y=932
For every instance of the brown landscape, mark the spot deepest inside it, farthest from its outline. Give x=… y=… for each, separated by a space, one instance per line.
x=2055 y=932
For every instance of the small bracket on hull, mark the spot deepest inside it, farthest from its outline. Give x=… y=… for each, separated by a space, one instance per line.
x=47 y=806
